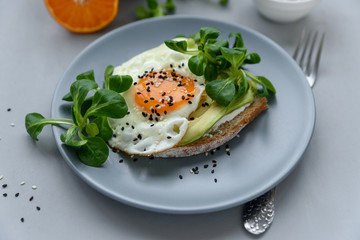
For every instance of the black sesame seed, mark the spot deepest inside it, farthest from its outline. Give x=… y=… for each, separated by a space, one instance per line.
x=132 y=126
x=128 y=113
x=165 y=112
x=152 y=125
x=139 y=136
x=114 y=135
x=135 y=83
x=214 y=165
x=180 y=176
x=138 y=93
x=192 y=118
x=5 y=194
x=163 y=94
x=212 y=171
x=206 y=166
x=121 y=160
x=31 y=198
x=213 y=161
x=38 y=208
x=122 y=128
x=9 y=109
x=135 y=139
x=4 y=185
x=157 y=105
x=22 y=219
x=228 y=153
x=183 y=97
x=171 y=65
x=152 y=98
x=168 y=137
x=190 y=102
x=17 y=194
x=144 y=114
x=127 y=123
x=156 y=119
x=215 y=180
x=182 y=64
x=146 y=101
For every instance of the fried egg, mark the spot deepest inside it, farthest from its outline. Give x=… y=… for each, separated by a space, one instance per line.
x=163 y=95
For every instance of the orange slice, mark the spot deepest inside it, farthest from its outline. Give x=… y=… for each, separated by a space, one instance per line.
x=83 y=16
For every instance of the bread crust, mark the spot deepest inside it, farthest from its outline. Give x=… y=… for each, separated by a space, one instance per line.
x=224 y=133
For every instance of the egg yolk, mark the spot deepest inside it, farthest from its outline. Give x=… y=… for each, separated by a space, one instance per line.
x=159 y=93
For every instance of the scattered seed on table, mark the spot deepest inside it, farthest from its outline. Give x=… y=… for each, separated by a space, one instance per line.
x=206 y=166
x=215 y=180
x=38 y=208
x=22 y=219
x=22 y=183
x=1 y=177
x=214 y=165
x=4 y=185
x=212 y=171
x=121 y=160
x=31 y=198
x=5 y=194
x=17 y=194
x=180 y=176
x=34 y=187
x=9 y=109
x=12 y=124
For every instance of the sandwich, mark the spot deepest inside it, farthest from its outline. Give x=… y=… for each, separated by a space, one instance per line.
x=189 y=95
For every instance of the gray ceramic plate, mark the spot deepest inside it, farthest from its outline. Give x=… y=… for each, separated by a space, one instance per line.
x=264 y=154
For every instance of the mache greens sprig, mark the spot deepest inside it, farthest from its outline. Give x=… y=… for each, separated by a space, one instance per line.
x=89 y=128
x=222 y=66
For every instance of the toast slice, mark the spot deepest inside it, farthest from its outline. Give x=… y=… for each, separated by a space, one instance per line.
x=224 y=133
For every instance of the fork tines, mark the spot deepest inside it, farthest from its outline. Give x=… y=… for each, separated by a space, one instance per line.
x=309 y=44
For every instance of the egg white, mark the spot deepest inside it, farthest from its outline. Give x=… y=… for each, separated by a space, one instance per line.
x=135 y=134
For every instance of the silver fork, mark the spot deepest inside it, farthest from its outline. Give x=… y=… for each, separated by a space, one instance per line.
x=303 y=55
x=258 y=214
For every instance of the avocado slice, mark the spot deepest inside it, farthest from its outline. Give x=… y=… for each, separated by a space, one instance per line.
x=200 y=125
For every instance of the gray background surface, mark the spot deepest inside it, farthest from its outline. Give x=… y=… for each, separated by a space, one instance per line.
x=318 y=200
